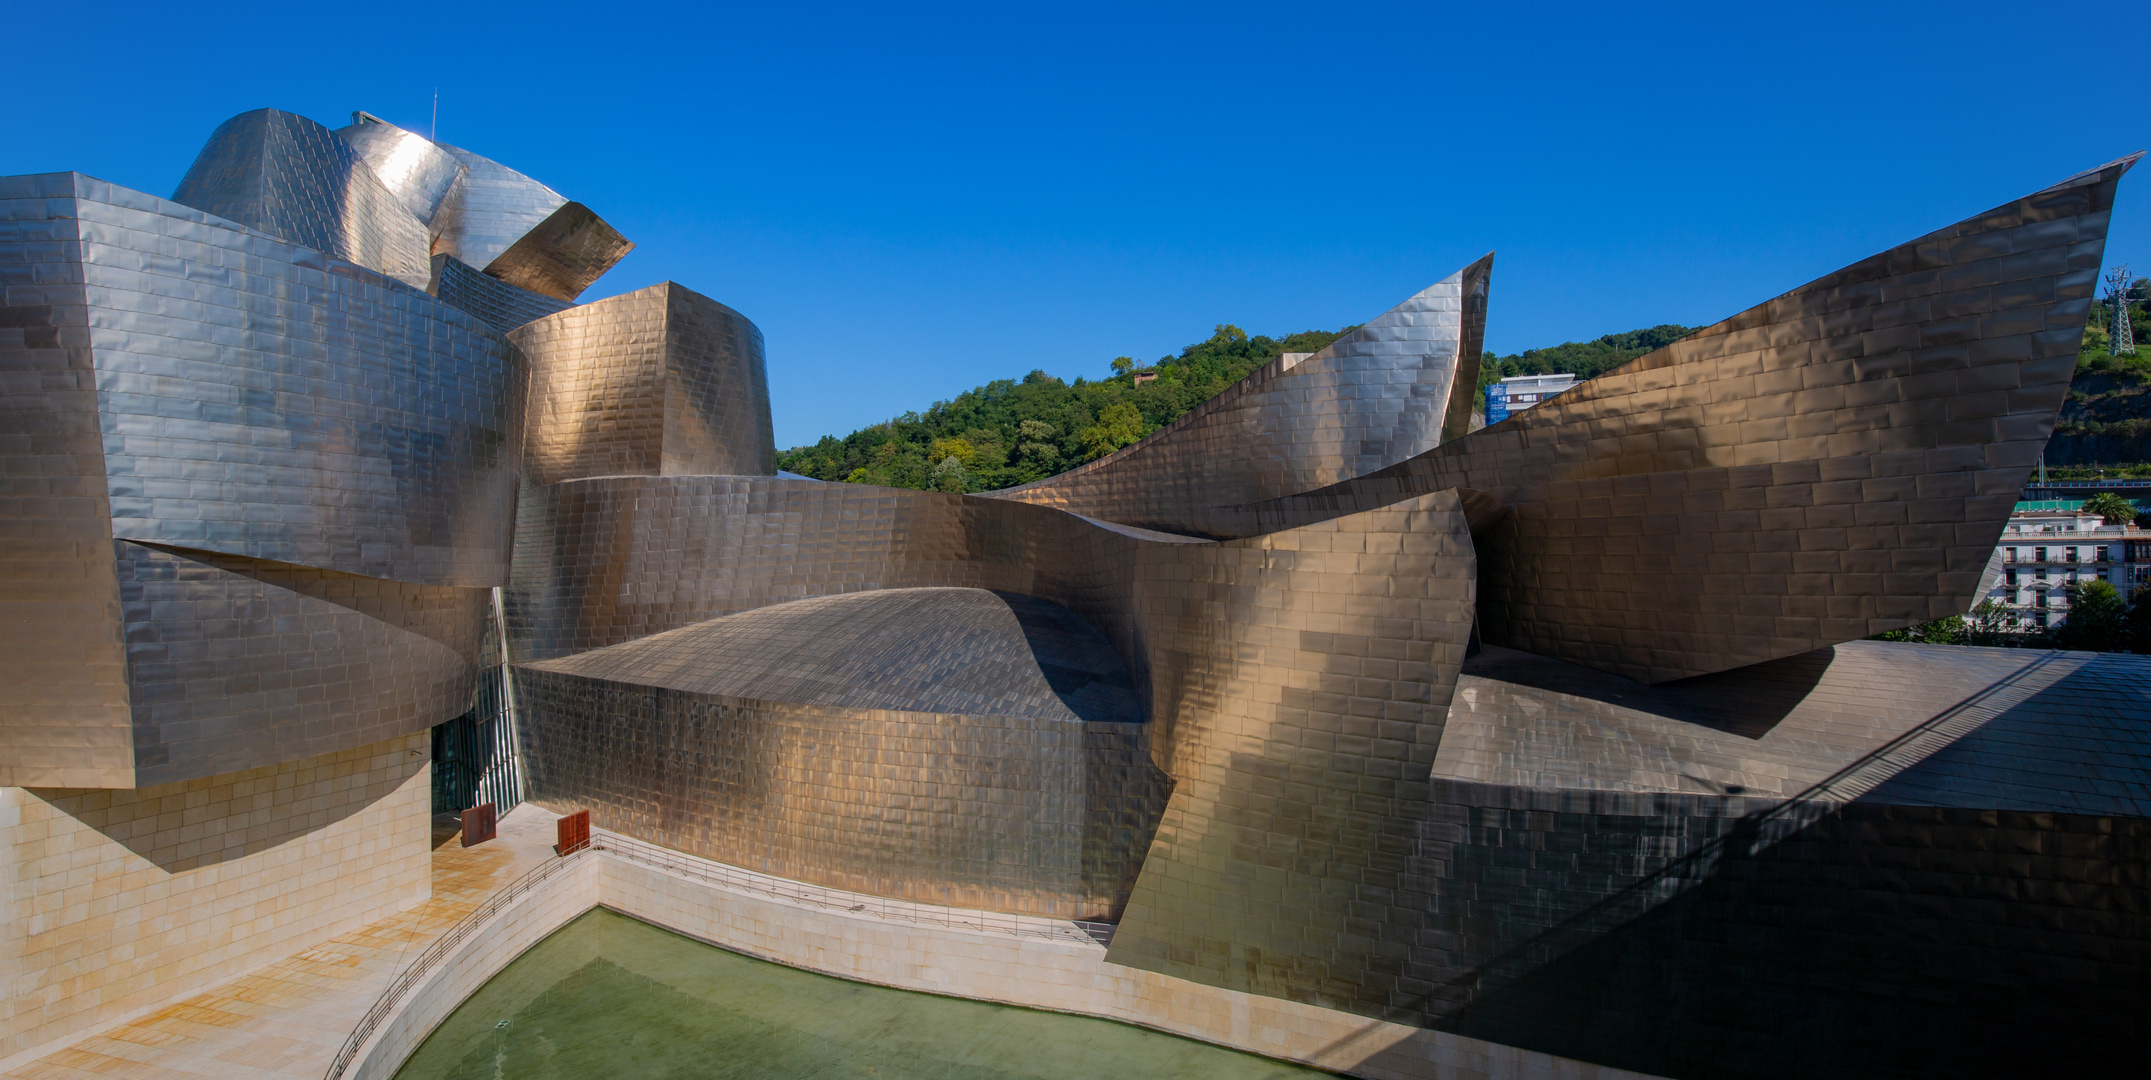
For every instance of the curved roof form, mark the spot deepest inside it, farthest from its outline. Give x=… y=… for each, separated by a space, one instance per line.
x=426 y=178
x=1374 y=397
x=937 y=650
x=295 y=180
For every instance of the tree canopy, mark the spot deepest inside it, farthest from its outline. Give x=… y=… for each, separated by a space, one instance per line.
x=2112 y=507
x=1011 y=432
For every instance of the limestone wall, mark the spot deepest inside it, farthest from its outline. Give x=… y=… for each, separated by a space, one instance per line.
x=113 y=901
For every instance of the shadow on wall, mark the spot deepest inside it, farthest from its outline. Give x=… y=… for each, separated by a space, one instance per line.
x=197 y=823
x=1746 y=702
x=1877 y=941
x=1078 y=663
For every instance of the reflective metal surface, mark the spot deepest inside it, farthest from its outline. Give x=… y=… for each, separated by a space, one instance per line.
x=252 y=497
x=190 y=384
x=235 y=663
x=563 y=254
x=1343 y=635
x=1829 y=465
x=295 y=180
x=943 y=745
x=660 y=381
x=425 y=178
x=503 y=306
x=497 y=207
x=1391 y=388
x=1861 y=832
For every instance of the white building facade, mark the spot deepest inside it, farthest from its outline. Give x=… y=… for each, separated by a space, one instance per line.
x=1519 y=392
x=2044 y=550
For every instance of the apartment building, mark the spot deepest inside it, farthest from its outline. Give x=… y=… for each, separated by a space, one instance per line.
x=2051 y=544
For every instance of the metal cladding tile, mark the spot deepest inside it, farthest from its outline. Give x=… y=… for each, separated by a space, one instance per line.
x=1588 y=803
x=1372 y=398
x=497 y=205
x=563 y=254
x=661 y=381
x=294 y=179
x=233 y=664
x=916 y=650
x=64 y=718
x=1744 y=408
x=426 y=179
x=1012 y=803
x=503 y=306
x=354 y=424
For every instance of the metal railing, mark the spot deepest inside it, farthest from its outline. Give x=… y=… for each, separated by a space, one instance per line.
x=447 y=943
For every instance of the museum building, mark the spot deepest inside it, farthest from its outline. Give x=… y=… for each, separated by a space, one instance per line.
x=1321 y=723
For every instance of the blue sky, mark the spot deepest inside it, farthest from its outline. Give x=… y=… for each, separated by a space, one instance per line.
x=912 y=201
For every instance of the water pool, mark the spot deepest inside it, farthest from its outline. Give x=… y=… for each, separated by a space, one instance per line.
x=607 y=996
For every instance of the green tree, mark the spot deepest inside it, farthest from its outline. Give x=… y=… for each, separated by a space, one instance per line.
x=1119 y=424
x=2097 y=619
x=1016 y=431
x=2138 y=620
x=2115 y=509
x=949 y=476
x=1991 y=624
x=1946 y=631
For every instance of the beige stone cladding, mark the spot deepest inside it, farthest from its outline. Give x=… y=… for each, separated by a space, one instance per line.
x=116 y=900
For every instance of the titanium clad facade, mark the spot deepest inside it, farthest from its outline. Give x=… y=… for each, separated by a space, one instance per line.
x=1223 y=687
x=661 y=381
x=198 y=387
x=1390 y=389
x=563 y=254
x=64 y=718
x=229 y=669
x=500 y=305
x=497 y=206
x=1866 y=843
x=426 y=179
x=1334 y=637
x=296 y=181
x=947 y=746
x=1832 y=464
x=611 y=559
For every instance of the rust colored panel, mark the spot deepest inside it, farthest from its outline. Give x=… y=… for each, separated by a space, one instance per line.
x=573 y=832
x=478 y=825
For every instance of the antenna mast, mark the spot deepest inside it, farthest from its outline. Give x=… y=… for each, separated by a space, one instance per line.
x=2120 y=339
x=433 y=132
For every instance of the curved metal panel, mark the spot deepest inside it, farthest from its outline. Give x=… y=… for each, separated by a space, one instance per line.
x=497 y=207
x=63 y=681
x=261 y=400
x=1832 y=464
x=231 y=670
x=661 y=381
x=1585 y=843
x=563 y=254
x=299 y=425
x=916 y=743
x=1343 y=635
x=1391 y=388
x=295 y=180
x=918 y=650
x=503 y=306
x=422 y=176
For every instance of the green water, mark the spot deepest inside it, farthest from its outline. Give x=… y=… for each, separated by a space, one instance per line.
x=607 y=996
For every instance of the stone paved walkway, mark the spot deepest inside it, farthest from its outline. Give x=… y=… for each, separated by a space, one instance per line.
x=287 y=1020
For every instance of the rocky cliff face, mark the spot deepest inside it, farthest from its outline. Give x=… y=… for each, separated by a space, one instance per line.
x=2106 y=421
